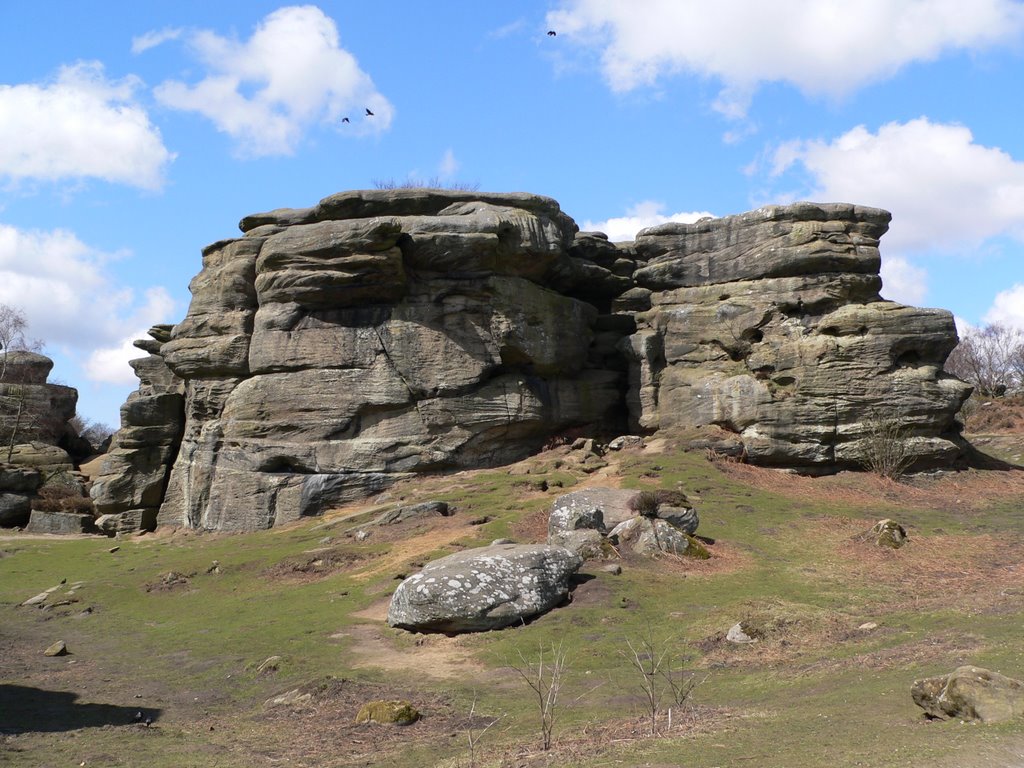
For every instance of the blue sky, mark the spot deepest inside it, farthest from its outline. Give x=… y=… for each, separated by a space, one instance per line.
x=132 y=134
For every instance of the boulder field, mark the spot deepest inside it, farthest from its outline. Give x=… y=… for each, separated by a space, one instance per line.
x=332 y=350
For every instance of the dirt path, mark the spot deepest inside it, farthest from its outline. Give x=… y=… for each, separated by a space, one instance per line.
x=435 y=656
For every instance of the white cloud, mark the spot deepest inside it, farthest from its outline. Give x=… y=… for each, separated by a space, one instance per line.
x=448 y=166
x=80 y=126
x=645 y=214
x=155 y=37
x=820 y=46
x=109 y=365
x=267 y=91
x=72 y=302
x=1008 y=308
x=903 y=282
x=945 y=191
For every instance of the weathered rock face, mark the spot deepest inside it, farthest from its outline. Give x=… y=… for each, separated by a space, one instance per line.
x=34 y=433
x=770 y=325
x=332 y=350
x=485 y=588
x=133 y=476
x=30 y=409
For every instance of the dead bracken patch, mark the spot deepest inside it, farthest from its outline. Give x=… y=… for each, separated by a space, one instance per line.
x=928 y=571
x=533 y=527
x=589 y=741
x=313 y=566
x=959 y=492
x=321 y=730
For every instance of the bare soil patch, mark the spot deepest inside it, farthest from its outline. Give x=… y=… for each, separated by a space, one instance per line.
x=435 y=656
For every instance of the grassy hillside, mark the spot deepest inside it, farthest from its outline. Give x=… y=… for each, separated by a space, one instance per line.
x=176 y=625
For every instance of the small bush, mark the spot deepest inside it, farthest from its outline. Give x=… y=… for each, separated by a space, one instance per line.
x=644 y=503
x=885 y=451
x=671 y=498
x=60 y=498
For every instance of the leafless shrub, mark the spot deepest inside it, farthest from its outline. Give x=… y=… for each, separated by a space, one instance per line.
x=544 y=676
x=475 y=734
x=885 y=450
x=13 y=327
x=660 y=674
x=62 y=498
x=93 y=431
x=434 y=182
x=644 y=503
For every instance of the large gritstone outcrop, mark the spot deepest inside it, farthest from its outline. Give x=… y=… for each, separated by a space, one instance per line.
x=331 y=350
x=770 y=325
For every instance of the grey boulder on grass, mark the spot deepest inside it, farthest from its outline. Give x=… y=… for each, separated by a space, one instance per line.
x=484 y=588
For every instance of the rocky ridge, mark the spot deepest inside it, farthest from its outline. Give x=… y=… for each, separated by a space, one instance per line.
x=332 y=350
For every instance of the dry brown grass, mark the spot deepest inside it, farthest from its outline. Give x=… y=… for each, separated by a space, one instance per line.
x=963 y=491
x=996 y=415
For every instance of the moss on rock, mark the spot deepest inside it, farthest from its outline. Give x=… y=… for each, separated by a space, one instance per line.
x=388 y=712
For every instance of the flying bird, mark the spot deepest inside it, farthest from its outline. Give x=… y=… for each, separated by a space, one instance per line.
x=368 y=112
x=551 y=33
x=345 y=120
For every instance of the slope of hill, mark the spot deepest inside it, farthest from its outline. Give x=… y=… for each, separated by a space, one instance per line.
x=184 y=628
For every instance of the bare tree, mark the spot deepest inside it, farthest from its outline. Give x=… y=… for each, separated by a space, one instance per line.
x=12 y=335
x=991 y=358
x=544 y=676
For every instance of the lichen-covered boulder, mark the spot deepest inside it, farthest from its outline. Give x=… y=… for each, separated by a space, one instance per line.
x=59 y=522
x=970 y=693
x=889 y=533
x=578 y=523
x=484 y=588
x=653 y=536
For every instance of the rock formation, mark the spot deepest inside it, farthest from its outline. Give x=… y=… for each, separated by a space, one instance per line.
x=31 y=410
x=34 y=434
x=133 y=476
x=332 y=350
x=770 y=325
x=600 y=522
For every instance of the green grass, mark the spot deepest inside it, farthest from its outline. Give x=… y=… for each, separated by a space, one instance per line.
x=817 y=692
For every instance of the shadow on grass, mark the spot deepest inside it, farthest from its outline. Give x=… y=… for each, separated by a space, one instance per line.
x=34 y=710
x=976 y=459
